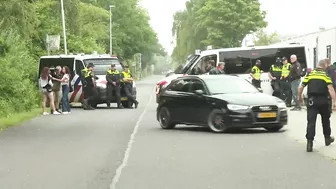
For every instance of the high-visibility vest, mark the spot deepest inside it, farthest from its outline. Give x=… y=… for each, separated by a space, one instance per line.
x=86 y=73
x=257 y=71
x=285 y=70
x=114 y=72
x=127 y=74
x=276 y=71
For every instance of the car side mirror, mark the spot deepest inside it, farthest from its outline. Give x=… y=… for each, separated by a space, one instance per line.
x=199 y=92
x=260 y=90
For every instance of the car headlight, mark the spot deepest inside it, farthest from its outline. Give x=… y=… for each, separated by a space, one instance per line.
x=236 y=107
x=281 y=105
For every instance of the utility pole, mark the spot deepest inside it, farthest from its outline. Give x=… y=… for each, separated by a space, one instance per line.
x=111 y=6
x=64 y=30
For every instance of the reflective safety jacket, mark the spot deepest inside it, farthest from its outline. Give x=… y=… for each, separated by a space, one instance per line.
x=113 y=76
x=87 y=76
x=256 y=72
x=276 y=71
x=127 y=76
x=285 y=70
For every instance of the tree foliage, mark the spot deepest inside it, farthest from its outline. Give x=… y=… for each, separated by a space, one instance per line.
x=25 y=24
x=263 y=38
x=219 y=23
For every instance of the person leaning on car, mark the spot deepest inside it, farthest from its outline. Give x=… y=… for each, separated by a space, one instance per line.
x=113 y=78
x=218 y=70
x=127 y=81
x=320 y=89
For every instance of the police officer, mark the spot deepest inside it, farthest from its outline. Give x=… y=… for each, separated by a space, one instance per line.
x=256 y=73
x=285 y=82
x=89 y=86
x=113 y=78
x=275 y=74
x=320 y=89
x=128 y=86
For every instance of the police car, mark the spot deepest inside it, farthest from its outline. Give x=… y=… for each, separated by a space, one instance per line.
x=239 y=61
x=77 y=63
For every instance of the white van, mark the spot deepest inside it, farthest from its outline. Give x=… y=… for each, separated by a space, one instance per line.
x=239 y=61
x=76 y=64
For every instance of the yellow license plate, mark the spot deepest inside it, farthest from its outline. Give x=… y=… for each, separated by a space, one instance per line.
x=267 y=115
x=124 y=98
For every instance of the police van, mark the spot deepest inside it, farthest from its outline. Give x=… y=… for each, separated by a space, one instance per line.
x=76 y=64
x=239 y=61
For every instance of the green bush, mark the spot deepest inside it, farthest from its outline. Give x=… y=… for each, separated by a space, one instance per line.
x=18 y=71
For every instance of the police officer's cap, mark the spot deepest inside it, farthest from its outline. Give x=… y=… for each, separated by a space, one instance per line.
x=278 y=59
x=284 y=58
x=126 y=66
x=112 y=65
x=90 y=65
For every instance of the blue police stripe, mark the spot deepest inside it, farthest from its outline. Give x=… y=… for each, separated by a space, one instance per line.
x=77 y=82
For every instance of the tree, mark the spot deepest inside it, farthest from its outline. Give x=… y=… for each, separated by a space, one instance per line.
x=220 y=23
x=263 y=38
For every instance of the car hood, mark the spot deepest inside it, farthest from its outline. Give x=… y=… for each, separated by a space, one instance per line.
x=248 y=99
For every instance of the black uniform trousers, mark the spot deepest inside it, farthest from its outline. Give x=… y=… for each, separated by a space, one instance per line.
x=276 y=88
x=128 y=88
x=90 y=93
x=110 y=90
x=256 y=83
x=318 y=105
x=286 y=91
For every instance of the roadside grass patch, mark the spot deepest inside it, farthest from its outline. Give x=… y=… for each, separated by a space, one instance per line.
x=18 y=118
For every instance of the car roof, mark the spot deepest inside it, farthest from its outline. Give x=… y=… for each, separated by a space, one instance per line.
x=206 y=77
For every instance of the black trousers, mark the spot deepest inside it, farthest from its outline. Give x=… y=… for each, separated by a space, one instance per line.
x=110 y=90
x=286 y=92
x=128 y=88
x=276 y=88
x=90 y=93
x=256 y=83
x=312 y=112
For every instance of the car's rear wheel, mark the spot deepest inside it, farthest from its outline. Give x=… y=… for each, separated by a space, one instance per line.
x=216 y=121
x=274 y=129
x=165 y=119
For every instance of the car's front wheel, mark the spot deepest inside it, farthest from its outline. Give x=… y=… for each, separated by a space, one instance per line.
x=216 y=121
x=274 y=129
x=165 y=119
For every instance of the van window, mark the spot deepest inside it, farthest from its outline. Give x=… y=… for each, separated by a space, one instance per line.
x=241 y=62
x=201 y=66
x=102 y=65
x=53 y=62
x=79 y=67
x=181 y=69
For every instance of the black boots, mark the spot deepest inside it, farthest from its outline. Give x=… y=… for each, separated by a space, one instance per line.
x=327 y=140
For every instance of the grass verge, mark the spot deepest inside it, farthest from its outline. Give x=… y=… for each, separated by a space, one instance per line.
x=16 y=119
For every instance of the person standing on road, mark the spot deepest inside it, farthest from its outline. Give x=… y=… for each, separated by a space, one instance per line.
x=275 y=74
x=218 y=70
x=128 y=87
x=320 y=89
x=65 y=90
x=57 y=87
x=89 y=86
x=285 y=82
x=256 y=74
x=45 y=85
x=295 y=77
x=331 y=71
x=113 y=78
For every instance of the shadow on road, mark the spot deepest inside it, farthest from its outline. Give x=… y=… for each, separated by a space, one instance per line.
x=231 y=131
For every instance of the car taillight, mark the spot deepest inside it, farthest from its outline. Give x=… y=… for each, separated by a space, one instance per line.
x=185 y=74
x=162 y=83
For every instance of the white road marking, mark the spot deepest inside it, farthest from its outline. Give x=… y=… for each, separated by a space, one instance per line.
x=118 y=173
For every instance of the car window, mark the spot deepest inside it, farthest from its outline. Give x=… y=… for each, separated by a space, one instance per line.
x=197 y=85
x=181 y=85
x=102 y=65
x=203 y=65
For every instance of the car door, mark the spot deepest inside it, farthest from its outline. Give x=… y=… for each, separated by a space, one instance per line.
x=176 y=100
x=201 y=105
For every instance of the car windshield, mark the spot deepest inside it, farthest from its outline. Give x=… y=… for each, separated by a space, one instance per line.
x=225 y=85
x=103 y=64
x=181 y=69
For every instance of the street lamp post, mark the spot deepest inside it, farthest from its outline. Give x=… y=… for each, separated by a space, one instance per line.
x=64 y=30
x=111 y=6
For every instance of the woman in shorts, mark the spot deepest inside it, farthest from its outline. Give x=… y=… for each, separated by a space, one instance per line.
x=46 y=91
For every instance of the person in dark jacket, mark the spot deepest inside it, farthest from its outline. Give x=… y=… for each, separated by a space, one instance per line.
x=218 y=70
x=113 y=78
x=127 y=81
x=89 y=87
x=275 y=74
x=331 y=72
x=295 y=77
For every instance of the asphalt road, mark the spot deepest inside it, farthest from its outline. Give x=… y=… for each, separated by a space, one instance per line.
x=103 y=149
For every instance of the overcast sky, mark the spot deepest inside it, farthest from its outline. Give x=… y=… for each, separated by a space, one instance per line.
x=284 y=16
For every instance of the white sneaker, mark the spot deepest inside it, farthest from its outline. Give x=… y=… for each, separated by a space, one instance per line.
x=56 y=113
x=65 y=112
x=45 y=113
